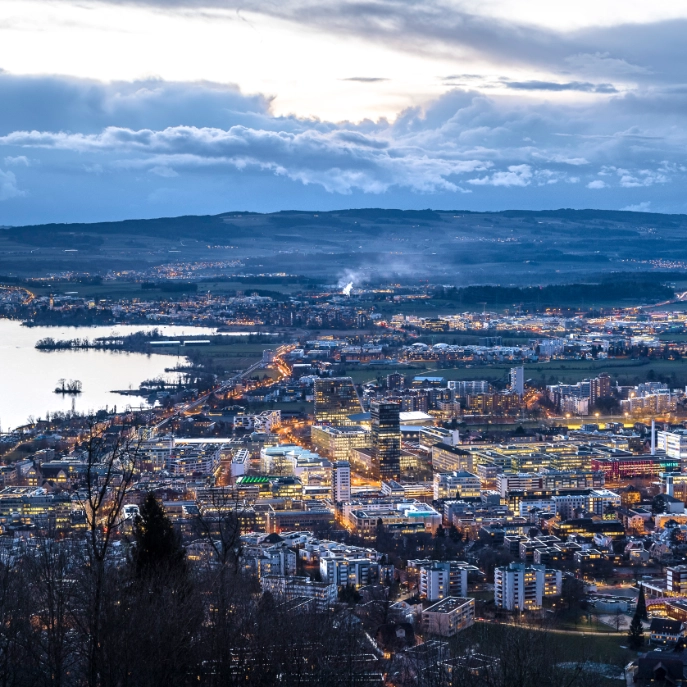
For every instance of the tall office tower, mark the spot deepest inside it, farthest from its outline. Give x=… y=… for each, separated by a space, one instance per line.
x=395 y=381
x=386 y=439
x=517 y=380
x=335 y=400
x=341 y=481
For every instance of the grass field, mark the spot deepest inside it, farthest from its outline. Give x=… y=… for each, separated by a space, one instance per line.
x=573 y=646
x=626 y=371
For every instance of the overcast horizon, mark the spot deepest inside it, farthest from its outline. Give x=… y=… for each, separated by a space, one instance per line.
x=147 y=108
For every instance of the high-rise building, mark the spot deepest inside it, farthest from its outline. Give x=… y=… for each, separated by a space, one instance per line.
x=341 y=481
x=336 y=399
x=517 y=380
x=386 y=439
x=394 y=381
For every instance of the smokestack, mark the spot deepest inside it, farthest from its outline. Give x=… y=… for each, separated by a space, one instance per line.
x=653 y=438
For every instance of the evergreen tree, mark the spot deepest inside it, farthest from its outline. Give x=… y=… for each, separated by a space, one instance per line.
x=641 y=605
x=635 y=636
x=158 y=545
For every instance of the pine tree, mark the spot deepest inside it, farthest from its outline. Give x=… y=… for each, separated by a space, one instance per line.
x=158 y=545
x=641 y=605
x=635 y=636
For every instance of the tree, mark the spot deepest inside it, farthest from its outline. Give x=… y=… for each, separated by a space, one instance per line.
x=110 y=467
x=635 y=636
x=641 y=605
x=658 y=505
x=349 y=594
x=572 y=592
x=158 y=545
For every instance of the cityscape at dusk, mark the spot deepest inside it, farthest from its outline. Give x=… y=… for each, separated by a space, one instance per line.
x=343 y=343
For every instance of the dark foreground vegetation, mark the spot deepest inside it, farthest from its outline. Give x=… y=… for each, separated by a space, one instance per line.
x=156 y=619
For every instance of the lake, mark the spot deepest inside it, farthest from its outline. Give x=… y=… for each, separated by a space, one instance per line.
x=28 y=377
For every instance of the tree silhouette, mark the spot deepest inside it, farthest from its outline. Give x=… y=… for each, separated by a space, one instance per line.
x=158 y=545
x=635 y=635
x=641 y=605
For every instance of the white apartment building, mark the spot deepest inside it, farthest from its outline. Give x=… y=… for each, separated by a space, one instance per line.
x=157 y=451
x=240 y=463
x=341 y=481
x=452 y=485
x=520 y=587
x=592 y=501
x=517 y=380
x=673 y=443
x=323 y=594
x=527 y=506
x=441 y=579
x=449 y=616
x=198 y=459
x=341 y=571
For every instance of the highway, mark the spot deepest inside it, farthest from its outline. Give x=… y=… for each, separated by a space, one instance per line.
x=224 y=386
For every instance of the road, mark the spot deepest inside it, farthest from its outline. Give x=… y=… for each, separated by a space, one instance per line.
x=583 y=633
x=186 y=407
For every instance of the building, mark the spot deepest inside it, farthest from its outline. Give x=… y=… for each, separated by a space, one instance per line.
x=449 y=616
x=397 y=517
x=627 y=467
x=456 y=485
x=335 y=399
x=517 y=380
x=520 y=587
x=447 y=458
x=292 y=520
x=386 y=439
x=463 y=389
x=441 y=579
x=195 y=459
x=337 y=442
x=673 y=443
x=666 y=631
x=342 y=570
x=341 y=481
x=322 y=594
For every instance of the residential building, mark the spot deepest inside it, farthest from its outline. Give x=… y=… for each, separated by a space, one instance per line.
x=521 y=587
x=341 y=481
x=449 y=616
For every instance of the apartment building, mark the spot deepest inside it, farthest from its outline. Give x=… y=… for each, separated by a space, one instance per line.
x=449 y=616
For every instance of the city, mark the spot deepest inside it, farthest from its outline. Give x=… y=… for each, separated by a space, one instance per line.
x=343 y=344
x=425 y=492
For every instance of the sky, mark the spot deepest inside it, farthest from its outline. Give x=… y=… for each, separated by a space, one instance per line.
x=117 y=109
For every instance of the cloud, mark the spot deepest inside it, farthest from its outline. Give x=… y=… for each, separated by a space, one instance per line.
x=8 y=186
x=217 y=148
x=17 y=161
x=517 y=175
x=163 y=171
x=645 y=206
x=366 y=79
x=584 y=87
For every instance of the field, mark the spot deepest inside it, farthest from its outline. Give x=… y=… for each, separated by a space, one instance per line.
x=375 y=245
x=626 y=371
